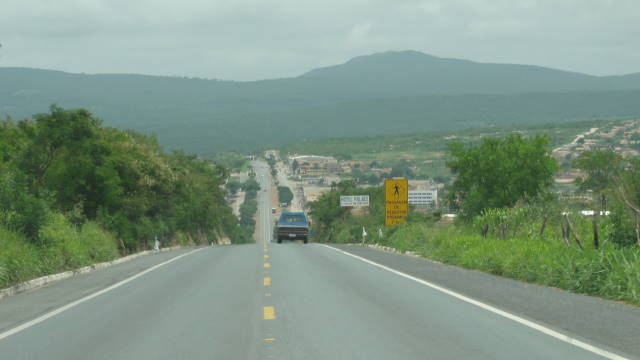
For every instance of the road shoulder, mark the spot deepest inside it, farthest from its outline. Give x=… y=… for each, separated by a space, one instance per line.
x=609 y=324
x=22 y=307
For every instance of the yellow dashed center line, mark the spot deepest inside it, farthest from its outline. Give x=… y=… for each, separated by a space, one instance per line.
x=268 y=340
x=266 y=281
x=269 y=313
x=267 y=294
x=266 y=256
x=267 y=265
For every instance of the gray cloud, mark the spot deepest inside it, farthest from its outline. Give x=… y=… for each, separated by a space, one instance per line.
x=255 y=39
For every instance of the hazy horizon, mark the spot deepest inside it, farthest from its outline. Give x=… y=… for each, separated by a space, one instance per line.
x=297 y=75
x=253 y=40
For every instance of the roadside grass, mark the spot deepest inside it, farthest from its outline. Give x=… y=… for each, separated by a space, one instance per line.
x=61 y=247
x=20 y=259
x=612 y=272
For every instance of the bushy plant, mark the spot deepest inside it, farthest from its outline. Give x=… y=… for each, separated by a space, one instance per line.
x=499 y=172
x=19 y=259
x=102 y=246
x=61 y=245
x=19 y=210
x=182 y=239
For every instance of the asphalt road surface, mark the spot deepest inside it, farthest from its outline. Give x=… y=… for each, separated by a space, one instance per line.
x=295 y=301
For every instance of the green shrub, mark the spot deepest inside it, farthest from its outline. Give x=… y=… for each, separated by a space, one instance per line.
x=3 y=275
x=284 y=194
x=182 y=239
x=409 y=236
x=19 y=259
x=19 y=210
x=101 y=245
x=62 y=245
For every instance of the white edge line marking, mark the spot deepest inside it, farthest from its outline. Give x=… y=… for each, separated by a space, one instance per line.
x=518 y=319
x=70 y=305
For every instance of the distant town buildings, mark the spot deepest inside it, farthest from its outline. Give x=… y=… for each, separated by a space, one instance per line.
x=622 y=139
x=313 y=165
x=423 y=194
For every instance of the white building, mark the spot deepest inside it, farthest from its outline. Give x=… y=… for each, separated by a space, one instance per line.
x=424 y=198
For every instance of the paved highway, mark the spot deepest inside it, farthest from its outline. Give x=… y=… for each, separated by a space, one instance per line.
x=295 y=301
x=297 y=203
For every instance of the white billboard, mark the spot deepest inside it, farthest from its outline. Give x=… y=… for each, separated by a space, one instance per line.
x=354 y=200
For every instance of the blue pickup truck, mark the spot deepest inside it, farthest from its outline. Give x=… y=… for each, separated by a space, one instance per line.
x=292 y=226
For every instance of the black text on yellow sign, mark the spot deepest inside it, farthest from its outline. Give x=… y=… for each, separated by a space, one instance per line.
x=396 y=201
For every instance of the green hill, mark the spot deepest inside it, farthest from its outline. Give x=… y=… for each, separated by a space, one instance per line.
x=386 y=93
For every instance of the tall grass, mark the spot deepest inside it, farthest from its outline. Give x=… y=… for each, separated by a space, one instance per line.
x=21 y=260
x=61 y=246
x=513 y=248
x=611 y=272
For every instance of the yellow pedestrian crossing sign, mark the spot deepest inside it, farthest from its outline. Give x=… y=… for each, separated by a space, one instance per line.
x=396 y=201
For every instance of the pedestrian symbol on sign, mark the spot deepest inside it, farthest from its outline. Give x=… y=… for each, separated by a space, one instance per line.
x=396 y=200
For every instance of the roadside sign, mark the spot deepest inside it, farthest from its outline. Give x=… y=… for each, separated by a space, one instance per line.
x=423 y=197
x=354 y=200
x=396 y=201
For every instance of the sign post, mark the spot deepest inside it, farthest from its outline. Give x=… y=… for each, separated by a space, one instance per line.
x=396 y=201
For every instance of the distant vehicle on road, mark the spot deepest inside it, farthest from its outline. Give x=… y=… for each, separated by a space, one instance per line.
x=292 y=226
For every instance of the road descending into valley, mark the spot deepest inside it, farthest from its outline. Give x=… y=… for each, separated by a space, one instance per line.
x=295 y=301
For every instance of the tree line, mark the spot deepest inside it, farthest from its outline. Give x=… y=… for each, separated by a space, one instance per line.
x=249 y=207
x=66 y=163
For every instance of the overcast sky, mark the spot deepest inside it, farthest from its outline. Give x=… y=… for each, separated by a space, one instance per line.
x=259 y=39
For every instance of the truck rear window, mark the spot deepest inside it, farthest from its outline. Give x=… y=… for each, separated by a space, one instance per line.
x=294 y=218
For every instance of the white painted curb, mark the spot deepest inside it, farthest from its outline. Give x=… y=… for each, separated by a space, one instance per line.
x=47 y=279
x=391 y=250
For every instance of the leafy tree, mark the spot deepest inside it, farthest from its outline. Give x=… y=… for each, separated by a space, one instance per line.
x=600 y=167
x=345 y=185
x=372 y=179
x=20 y=210
x=271 y=161
x=67 y=157
x=233 y=186
x=284 y=194
x=251 y=185
x=499 y=172
x=625 y=214
x=402 y=169
x=326 y=210
x=440 y=179
x=65 y=162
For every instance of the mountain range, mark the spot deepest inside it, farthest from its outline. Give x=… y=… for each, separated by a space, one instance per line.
x=384 y=93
